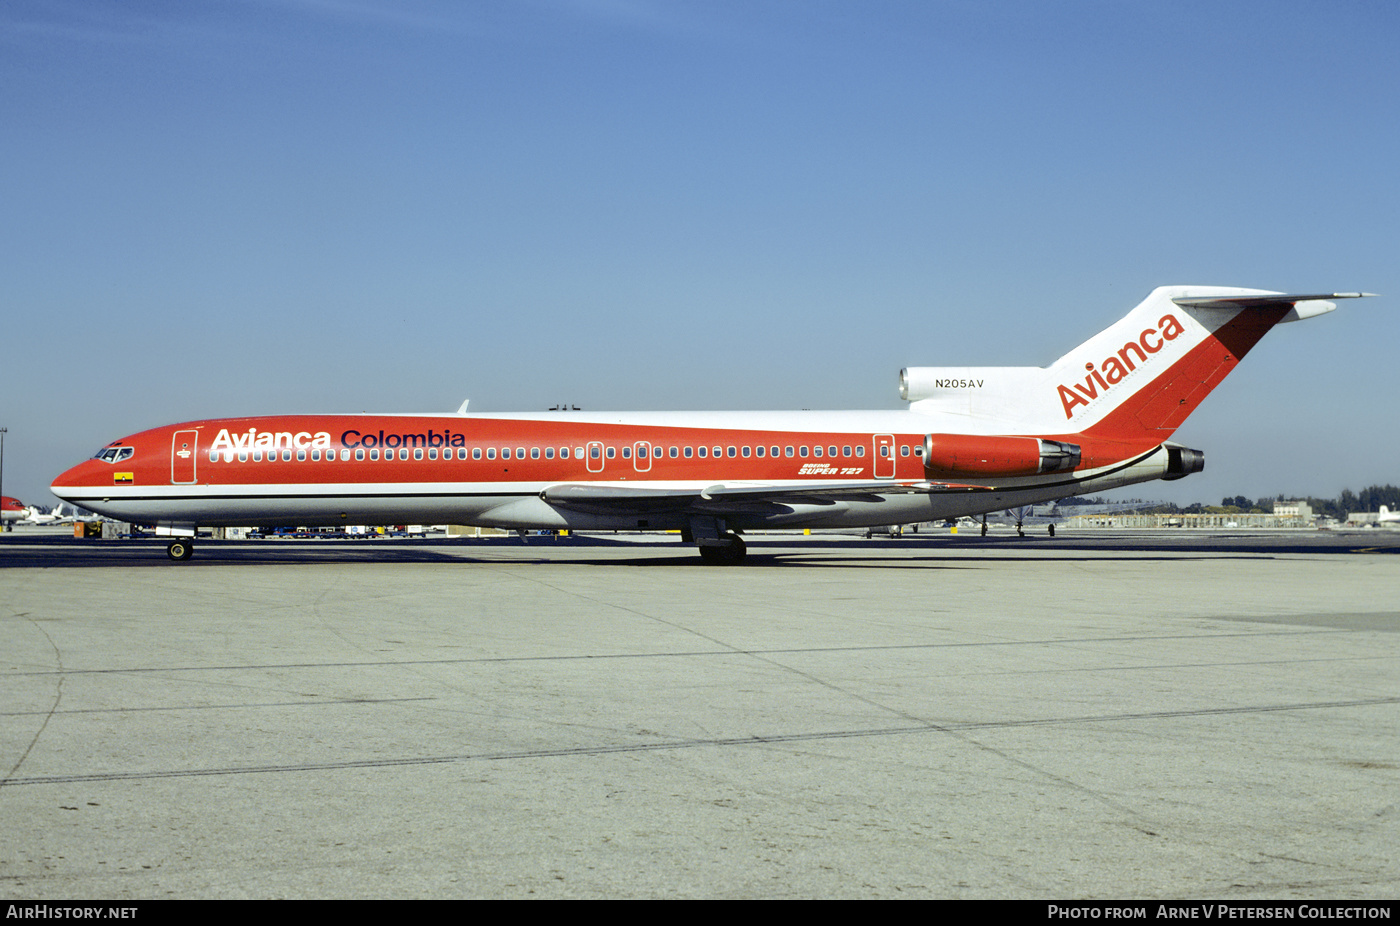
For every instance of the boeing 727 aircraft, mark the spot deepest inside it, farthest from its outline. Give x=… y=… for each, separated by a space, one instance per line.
x=972 y=440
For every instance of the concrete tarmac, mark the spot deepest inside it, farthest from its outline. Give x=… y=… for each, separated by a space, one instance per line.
x=1102 y=715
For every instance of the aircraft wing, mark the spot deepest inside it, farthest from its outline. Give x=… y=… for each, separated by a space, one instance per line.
x=727 y=498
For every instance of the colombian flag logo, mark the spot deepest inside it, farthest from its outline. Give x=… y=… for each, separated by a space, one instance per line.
x=122 y=478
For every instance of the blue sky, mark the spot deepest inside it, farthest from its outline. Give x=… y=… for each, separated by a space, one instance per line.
x=227 y=208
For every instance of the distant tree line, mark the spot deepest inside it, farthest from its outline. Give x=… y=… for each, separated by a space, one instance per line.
x=1370 y=498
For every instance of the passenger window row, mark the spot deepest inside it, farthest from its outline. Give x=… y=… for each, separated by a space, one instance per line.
x=594 y=451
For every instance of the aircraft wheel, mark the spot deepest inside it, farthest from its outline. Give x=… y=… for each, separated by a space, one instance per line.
x=984 y=530
x=180 y=550
x=737 y=549
x=1052 y=530
x=729 y=555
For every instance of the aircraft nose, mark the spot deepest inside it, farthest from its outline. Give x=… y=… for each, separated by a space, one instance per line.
x=76 y=477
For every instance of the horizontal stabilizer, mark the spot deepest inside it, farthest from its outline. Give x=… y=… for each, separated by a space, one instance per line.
x=1255 y=302
x=1305 y=305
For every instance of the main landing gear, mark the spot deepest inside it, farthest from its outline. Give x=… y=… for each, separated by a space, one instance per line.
x=718 y=545
x=179 y=550
x=728 y=550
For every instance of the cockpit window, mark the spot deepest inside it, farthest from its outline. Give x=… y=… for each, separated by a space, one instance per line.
x=114 y=454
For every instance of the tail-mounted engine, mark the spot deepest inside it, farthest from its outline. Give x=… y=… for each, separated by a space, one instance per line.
x=972 y=455
x=1183 y=461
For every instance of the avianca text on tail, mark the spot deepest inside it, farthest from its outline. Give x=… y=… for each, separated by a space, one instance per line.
x=972 y=440
x=1112 y=370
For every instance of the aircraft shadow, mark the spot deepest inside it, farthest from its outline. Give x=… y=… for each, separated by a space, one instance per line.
x=933 y=551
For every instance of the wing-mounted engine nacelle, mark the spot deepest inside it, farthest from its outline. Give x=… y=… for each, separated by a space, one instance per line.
x=974 y=455
x=1183 y=461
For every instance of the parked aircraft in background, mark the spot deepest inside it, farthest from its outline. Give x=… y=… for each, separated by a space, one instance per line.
x=1387 y=516
x=973 y=440
x=11 y=509
x=55 y=515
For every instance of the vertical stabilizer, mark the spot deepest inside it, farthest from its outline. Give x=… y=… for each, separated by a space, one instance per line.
x=1138 y=379
x=1143 y=376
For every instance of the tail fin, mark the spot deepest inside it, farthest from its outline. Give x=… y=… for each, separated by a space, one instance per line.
x=1139 y=378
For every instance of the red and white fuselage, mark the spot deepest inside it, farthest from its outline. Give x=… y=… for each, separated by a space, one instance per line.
x=499 y=471
x=12 y=509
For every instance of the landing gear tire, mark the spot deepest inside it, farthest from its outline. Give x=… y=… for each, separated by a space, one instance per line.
x=179 y=550
x=1052 y=530
x=730 y=554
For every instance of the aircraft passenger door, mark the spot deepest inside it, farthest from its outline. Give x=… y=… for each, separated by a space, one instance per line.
x=183 y=454
x=884 y=456
x=641 y=456
x=595 y=456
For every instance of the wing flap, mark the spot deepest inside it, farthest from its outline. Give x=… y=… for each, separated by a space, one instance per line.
x=614 y=499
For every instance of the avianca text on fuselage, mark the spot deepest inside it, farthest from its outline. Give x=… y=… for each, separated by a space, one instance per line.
x=1111 y=371
x=253 y=439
